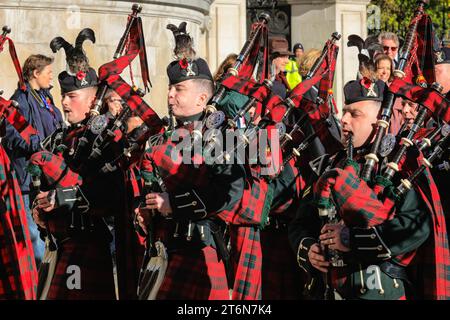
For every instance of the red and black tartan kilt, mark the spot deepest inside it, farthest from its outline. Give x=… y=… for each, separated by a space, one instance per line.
x=282 y=279
x=18 y=275
x=93 y=258
x=194 y=274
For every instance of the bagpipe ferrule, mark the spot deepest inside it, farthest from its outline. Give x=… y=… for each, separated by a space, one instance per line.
x=288 y=136
x=372 y=158
x=399 y=74
x=437 y=86
x=233 y=71
x=382 y=123
x=94 y=112
x=426 y=142
x=406 y=184
x=407 y=142
x=289 y=103
x=210 y=109
x=393 y=166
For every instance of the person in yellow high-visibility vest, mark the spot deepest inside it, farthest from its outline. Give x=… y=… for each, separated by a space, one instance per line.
x=292 y=74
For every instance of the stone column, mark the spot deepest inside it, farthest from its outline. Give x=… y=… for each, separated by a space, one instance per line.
x=313 y=22
x=227 y=33
x=35 y=23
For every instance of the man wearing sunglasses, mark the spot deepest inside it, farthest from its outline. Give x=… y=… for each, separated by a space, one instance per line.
x=390 y=43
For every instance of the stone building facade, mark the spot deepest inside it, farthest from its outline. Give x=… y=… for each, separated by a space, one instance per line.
x=218 y=27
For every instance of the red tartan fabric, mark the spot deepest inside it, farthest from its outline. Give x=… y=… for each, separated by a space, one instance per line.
x=55 y=170
x=247 y=67
x=110 y=73
x=323 y=77
x=247 y=87
x=421 y=56
x=427 y=97
x=245 y=219
x=194 y=275
x=95 y=270
x=277 y=107
x=174 y=173
x=356 y=202
x=434 y=255
x=13 y=116
x=18 y=275
x=247 y=262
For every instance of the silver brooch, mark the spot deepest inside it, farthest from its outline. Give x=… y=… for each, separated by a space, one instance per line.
x=387 y=145
x=98 y=124
x=215 y=119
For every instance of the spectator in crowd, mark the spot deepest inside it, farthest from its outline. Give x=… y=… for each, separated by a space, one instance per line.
x=292 y=74
x=279 y=55
x=306 y=61
x=384 y=68
x=390 y=43
x=114 y=103
x=298 y=50
x=37 y=106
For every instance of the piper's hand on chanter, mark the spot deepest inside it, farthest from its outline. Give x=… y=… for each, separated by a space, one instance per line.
x=158 y=201
x=317 y=258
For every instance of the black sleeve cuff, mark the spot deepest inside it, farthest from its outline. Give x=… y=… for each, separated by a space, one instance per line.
x=187 y=206
x=72 y=198
x=368 y=245
x=302 y=254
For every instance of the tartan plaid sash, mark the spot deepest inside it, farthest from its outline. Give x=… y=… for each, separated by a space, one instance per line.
x=110 y=74
x=16 y=119
x=434 y=255
x=420 y=65
x=245 y=220
x=247 y=87
x=243 y=82
x=323 y=78
x=54 y=169
x=16 y=252
x=436 y=103
x=260 y=51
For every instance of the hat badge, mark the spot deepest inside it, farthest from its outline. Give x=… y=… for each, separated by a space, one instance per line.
x=82 y=77
x=371 y=92
x=370 y=86
x=189 y=71
x=439 y=56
